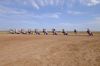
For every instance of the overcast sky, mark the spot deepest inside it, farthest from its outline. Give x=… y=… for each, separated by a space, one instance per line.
x=67 y=14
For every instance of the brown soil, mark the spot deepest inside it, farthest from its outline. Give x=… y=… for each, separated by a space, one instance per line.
x=49 y=50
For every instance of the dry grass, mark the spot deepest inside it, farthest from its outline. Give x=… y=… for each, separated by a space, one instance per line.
x=60 y=50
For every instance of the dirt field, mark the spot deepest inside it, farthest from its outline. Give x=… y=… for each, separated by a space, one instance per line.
x=49 y=50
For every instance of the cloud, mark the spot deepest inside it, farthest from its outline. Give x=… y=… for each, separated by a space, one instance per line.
x=46 y=16
x=42 y=3
x=56 y=16
x=34 y=4
x=37 y=4
x=96 y=20
x=75 y=12
x=6 y=10
x=90 y=2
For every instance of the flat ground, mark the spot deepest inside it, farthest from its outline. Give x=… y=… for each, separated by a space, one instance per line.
x=49 y=50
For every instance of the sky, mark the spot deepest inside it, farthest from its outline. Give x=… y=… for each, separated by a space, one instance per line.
x=58 y=14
